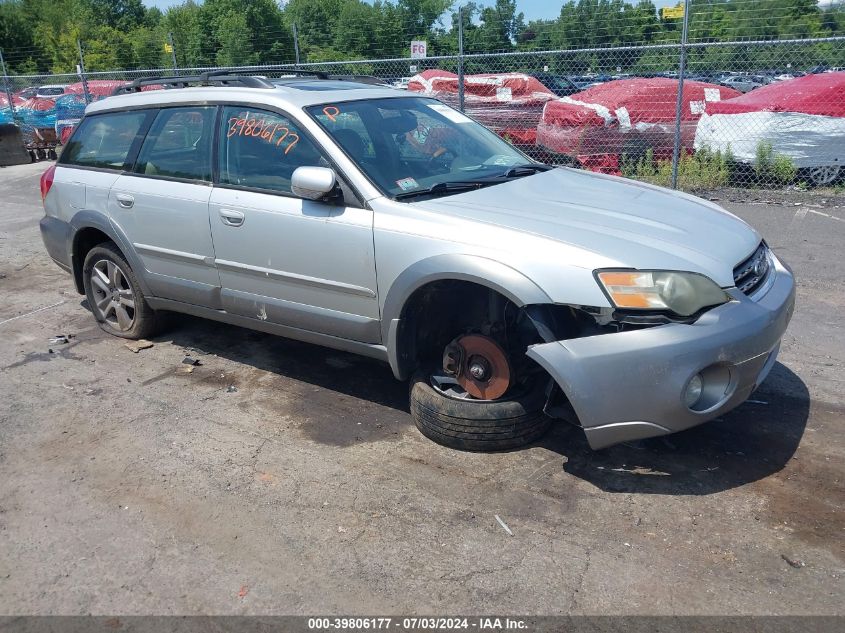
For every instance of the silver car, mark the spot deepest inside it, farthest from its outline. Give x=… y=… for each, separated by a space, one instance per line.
x=389 y=225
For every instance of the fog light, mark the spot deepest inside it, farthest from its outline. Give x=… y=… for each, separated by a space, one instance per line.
x=693 y=391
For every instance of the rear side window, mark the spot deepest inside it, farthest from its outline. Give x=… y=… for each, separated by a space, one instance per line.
x=261 y=150
x=104 y=140
x=178 y=144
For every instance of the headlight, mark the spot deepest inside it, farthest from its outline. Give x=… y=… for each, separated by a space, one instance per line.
x=682 y=293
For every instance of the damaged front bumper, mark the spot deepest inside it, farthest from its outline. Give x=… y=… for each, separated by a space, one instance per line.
x=631 y=385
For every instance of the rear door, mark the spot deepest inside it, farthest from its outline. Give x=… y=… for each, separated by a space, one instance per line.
x=99 y=150
x=162 y=205
x=295 y=262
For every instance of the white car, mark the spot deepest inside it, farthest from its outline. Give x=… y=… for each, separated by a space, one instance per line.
x=51 y=92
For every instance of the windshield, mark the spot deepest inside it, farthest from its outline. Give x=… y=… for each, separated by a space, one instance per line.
x=412 y=144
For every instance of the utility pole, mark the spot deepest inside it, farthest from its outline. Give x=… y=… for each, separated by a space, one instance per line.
x=7 y=87
x=461 y=58
x=679 y=104
x=172 y=50
x=296 y=44
x=81 y=70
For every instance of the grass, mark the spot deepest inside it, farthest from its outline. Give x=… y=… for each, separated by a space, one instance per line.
x=708 y=169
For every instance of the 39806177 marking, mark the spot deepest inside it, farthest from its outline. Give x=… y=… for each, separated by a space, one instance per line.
x=405 y=624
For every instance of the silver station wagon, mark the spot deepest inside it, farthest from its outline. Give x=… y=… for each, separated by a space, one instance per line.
x=336 y=212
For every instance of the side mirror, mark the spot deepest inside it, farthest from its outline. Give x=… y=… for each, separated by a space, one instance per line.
x=313 y=183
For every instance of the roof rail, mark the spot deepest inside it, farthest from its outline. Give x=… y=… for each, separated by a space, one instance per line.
x=237 y=77
x=213 y=77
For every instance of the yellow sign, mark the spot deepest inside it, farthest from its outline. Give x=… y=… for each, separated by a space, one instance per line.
x=673 y=13
x=168 y=48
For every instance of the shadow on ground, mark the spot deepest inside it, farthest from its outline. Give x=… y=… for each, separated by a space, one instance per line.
x=341 y=372
x=750 y=443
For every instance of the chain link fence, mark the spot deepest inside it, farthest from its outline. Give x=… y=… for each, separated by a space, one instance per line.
x=692 y=111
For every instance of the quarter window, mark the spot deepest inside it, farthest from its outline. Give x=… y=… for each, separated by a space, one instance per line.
x=261 y=150
x=178 y=144
x=104 y=140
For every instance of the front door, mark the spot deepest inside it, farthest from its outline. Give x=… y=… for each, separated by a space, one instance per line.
x=162 y=206
x=299 y=263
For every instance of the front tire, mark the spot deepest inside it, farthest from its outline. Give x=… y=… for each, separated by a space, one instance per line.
x=478 y=425
x=114 y=294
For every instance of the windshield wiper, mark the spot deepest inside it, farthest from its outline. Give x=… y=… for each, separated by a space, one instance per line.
x=525 y=169
x=443 y=188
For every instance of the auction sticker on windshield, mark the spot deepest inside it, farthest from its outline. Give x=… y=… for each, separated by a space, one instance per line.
x=406 y=184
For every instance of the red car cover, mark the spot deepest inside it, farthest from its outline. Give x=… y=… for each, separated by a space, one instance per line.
x=97 y=88
x=510 y=104
x=626 y=116
x=802 y=119
x=822 y=94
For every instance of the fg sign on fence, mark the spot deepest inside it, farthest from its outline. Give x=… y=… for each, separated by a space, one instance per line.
x=418 y=49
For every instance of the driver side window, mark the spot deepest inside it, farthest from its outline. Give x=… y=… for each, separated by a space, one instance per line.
x=261 y=150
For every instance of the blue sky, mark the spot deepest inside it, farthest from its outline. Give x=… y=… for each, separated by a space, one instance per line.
x=533 y=9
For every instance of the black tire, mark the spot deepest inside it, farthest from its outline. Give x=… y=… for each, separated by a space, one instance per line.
x=469 y=425
x=145 y=322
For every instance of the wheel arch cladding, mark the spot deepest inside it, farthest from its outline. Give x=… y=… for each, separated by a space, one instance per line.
x=87 y=230
x=488 y=273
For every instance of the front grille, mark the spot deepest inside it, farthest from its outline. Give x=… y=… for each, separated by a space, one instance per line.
x=752 y=272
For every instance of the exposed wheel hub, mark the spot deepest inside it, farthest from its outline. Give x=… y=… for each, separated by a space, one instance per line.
x=480 y=366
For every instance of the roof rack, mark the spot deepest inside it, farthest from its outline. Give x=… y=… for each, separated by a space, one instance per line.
x=212 y=77
x=236 y=78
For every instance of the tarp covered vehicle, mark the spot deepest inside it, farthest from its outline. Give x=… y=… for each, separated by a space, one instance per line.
x=627 y=116
x=801 y=118
x=510 y=104
x=71 y=106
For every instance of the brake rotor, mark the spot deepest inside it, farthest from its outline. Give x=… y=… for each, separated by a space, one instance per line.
x=485 y=372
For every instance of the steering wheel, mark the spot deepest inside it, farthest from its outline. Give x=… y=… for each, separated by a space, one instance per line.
x=440 y=152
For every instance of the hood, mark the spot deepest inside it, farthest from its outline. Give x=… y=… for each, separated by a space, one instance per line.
x=634 y=225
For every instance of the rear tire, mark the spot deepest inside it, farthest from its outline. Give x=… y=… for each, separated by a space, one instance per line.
x=478 y=425
x=115 y=296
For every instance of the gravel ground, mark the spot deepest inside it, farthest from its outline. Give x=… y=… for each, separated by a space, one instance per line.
x=131 y=487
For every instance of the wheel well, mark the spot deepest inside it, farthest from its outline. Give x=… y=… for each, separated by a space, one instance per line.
x=441 y=310
x=84 y=240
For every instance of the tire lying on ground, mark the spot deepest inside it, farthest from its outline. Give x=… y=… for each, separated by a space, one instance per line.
x=478 y=425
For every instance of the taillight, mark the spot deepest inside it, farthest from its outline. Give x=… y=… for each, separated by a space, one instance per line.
x=47 y=181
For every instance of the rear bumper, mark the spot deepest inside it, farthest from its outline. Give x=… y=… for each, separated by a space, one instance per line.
x=631 y=385
x=55 y=233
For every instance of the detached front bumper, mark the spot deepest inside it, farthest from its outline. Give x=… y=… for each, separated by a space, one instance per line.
x=631 y=385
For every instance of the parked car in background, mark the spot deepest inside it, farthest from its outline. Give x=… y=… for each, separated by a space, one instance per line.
x=802 y=119
x=510 y=104
x=51 y=92
x=27 y=93
x=628 y=117
x=742 y=83
x=387 y=224
x=560 y=85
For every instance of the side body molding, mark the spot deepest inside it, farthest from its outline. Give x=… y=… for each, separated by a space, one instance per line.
x=485 y=272
x=100 y=221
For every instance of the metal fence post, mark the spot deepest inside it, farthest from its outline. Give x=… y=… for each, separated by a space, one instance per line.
x=461 y=59
x=81 y=72
x=7 y=87
x=172 y=50
x=296 y=44
x=679 y=104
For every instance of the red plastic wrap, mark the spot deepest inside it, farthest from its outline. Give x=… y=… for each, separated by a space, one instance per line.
x=627 y=116
x=510 y=104
x=822 y=94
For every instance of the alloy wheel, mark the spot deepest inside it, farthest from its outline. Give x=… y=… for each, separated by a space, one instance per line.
x=113 y=296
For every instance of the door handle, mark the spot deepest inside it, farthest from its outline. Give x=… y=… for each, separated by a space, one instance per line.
x=231 y=217
x=125 y=200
